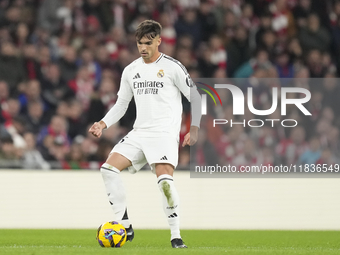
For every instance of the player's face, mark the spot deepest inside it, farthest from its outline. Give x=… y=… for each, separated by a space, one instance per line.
x=148 y=48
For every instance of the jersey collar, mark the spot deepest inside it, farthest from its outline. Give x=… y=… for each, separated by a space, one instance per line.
x=159 y=58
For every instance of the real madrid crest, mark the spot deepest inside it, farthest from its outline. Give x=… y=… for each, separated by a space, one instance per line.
x=160 y=74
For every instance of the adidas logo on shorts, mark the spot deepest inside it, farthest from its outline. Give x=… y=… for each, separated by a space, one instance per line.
x=164 y=158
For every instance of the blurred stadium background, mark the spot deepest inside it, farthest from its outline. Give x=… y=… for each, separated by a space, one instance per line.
x=61 y=62
x=60 y=67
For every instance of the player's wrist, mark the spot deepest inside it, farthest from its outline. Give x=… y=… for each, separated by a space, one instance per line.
x=102 y=124
x=194 y=129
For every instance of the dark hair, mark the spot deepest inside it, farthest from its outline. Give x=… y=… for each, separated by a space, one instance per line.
x=148 y=28
x=7 y=139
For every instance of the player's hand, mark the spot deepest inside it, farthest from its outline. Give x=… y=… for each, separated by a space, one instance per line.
x=191 y=137
x=97 y=128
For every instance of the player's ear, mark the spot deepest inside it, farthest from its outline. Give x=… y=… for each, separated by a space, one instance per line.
x=159 y=40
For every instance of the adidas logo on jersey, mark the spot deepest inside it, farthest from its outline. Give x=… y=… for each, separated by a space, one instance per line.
x=164 y=158
x=136 y=76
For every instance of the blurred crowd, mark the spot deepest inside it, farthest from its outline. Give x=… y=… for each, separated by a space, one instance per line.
x=61 y=62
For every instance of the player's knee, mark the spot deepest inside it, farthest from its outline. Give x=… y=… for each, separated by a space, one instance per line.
x=162 y=168
x=107 y=169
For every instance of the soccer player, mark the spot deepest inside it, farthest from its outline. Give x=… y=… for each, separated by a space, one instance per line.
x=156 y=81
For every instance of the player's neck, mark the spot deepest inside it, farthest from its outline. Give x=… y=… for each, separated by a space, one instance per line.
x=153 y=58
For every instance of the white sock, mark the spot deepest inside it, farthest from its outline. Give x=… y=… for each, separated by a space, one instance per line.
x=170 y=203
x=116 y=193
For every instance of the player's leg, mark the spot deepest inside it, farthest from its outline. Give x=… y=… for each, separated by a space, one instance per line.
x=115 y=190
x=164 y=173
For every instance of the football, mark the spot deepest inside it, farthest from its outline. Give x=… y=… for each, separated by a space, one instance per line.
x=111 y=234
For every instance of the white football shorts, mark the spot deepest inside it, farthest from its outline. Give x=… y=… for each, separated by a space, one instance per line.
x=141 y=149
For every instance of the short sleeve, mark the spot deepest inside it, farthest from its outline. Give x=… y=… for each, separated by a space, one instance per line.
x=125 y=92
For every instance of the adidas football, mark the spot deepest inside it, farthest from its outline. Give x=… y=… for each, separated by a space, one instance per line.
x=111 y=234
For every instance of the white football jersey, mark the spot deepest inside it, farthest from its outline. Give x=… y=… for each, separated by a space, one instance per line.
x=156 y=88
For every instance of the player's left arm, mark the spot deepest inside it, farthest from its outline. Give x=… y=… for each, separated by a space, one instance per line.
x=195 y=101
x=186 y=85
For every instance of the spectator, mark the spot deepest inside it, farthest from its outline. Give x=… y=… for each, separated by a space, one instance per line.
x=16 y=128
x=10 y=109
x=67 y=64
x=248 y=19
x=12 y=18
x=93 y=68
x=76 y=120
x=53 y=140
x=336 y=41
x=10 y=67
x=260 y=61
x=124 y=58
x=184 y=158
x=55 y=88
x=101 y=10
x=58 y=150
x=89 y=148
x=328 y=158
x=168 y=32
x=32 y=158
x=103 y=58
x=238 y=51
x=4 y=95
x=284 y=68
x=218 y=52
x=8 y=151
x=103 y=100
x=249 y=155
x=75 y=158
x=188 y=24
x=301 y=13
x=32 y=92
x=36 y=118
x=30 y=63
x=230 y=24
x=185 y=42
x=331 y=94
x=47 y=15
x=21 y=35
x=185 y=57
x=204 y=152
x=44 y=61
x=291 y=149
x=333 y=140
x=269 y=42
x=207 y=20
x=221 y=10
x=282 y=20
x=104 y=147
x=314 y=36
x=313 y=154
x=334 y=14
x=295 y=51
x=314 y=64
x=115 y=41
x=265 y=25
x=205 y=66
x=82 y=87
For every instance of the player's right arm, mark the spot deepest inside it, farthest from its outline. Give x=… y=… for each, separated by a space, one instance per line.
x=125 y=95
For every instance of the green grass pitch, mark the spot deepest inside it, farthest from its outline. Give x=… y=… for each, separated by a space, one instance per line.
x=82 y=242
